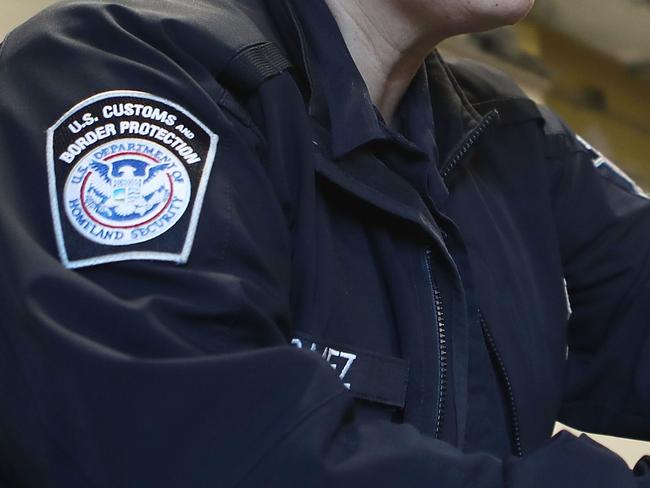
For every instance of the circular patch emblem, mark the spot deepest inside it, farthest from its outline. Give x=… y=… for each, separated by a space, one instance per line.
x=126 y=192
x=128 y=172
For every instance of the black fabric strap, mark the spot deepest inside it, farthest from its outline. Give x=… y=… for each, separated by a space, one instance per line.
x=252 y=66
x=369 y=376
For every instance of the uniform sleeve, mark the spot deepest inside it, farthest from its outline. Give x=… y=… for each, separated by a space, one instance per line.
x=128 y=369
x=603 y=222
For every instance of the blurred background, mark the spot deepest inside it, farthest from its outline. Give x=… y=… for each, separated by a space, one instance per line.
x=589 y=60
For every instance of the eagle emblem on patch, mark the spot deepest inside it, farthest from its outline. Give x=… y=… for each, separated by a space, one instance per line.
x=127 y=173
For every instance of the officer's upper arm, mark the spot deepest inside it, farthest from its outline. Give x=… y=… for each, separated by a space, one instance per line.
x=603 y=224
x=145 y=264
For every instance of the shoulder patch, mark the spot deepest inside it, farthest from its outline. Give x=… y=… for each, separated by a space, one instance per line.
x=611 y=171
x=127 y=174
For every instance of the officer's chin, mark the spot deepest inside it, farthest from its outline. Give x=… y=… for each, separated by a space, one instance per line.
x=510 y=12
x=490 y=14
x=520 y=9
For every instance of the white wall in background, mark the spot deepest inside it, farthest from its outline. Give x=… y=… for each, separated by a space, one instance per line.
x=14 y=12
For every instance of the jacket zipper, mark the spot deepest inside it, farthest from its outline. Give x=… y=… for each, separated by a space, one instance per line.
x=441 y=339
x=507 y=386
x=468 y=143
x=440 y=329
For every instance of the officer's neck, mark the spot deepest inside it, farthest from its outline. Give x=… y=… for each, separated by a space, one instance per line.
x=388 y=45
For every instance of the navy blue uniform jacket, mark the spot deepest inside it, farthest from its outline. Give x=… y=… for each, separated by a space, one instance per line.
x=221 y=267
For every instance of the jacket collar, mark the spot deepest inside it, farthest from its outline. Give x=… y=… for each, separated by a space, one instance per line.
x=327 y=79
x=456 y=116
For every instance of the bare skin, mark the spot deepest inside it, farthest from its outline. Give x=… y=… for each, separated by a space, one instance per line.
x=389 y=39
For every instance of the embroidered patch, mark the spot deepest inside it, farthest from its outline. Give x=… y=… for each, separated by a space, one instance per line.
x=611 y=171
x=127 y=174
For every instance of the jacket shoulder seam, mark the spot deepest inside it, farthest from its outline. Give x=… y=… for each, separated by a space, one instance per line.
x=3 y=47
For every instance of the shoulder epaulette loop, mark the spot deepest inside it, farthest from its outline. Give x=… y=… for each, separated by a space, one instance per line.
x=252 y=66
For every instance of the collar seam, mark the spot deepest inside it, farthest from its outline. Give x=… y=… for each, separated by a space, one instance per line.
x=465 y=103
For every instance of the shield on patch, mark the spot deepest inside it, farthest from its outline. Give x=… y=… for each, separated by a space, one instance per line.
x=127 y=175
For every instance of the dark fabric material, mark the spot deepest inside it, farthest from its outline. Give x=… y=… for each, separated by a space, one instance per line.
x=313 y=222
x=367 y=375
